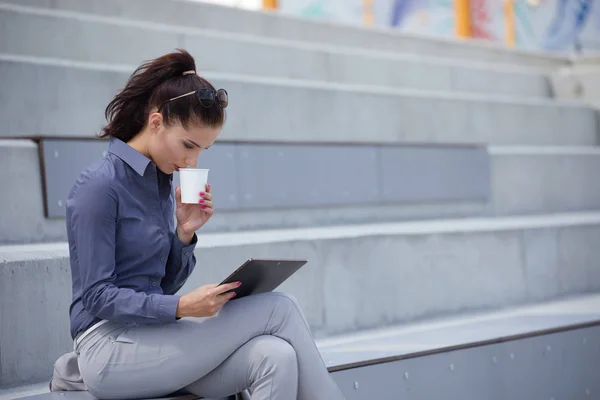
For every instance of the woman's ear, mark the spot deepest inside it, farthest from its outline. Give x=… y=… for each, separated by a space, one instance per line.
x=155 y=121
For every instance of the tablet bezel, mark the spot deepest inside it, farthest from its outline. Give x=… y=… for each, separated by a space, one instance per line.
x=293 y=265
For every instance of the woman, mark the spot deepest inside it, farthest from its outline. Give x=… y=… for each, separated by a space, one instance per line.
x=129 y=258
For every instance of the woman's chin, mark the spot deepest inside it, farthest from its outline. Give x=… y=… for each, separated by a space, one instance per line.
x=168 y=170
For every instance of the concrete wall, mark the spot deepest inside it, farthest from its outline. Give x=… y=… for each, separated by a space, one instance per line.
x=22 y=218
x=357 y=277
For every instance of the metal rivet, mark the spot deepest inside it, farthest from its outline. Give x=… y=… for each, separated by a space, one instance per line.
x=512 y=356
x=451 y=367
x=406 y=375
x=587 y=392
x=356 y=385
x=62 y=394
x=548 y=349
x=494 y=360
x=55 y=153
x=60 y=203
x=584 y=340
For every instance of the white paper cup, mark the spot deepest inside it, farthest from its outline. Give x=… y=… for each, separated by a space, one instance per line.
x=192 y=182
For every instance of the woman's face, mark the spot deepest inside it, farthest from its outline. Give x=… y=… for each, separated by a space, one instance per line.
x=174 y=147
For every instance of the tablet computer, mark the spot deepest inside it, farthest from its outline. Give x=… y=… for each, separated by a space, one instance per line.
x=261 y=275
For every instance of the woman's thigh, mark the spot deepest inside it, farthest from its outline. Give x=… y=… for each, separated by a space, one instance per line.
x=154 y=360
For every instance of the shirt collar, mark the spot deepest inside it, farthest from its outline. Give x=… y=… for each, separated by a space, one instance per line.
x=131 y=156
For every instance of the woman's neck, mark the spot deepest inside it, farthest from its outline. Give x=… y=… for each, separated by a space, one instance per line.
x=141 y=143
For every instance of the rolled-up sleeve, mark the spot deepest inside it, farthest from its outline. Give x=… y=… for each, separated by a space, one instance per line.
x=93 y=224
x=180 y=265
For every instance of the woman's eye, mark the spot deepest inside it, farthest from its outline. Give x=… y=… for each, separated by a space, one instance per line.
x=188 y=146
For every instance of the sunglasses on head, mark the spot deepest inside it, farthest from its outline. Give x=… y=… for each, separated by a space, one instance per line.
x=207 y=97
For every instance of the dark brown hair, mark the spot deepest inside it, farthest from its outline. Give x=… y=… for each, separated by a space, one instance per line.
x=153 y=83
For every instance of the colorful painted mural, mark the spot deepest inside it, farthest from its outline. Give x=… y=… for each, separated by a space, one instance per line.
x=346 y=11
x=554 y=25
x=429 y=17
x=482 y=17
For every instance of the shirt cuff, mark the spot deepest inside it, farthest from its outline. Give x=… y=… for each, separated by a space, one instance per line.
x=183 y=250
x=167 y=307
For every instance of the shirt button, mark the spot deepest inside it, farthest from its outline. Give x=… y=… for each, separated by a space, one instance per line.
x=162 y=259
x=163 y=231
x=152 y=283
x=186 y=253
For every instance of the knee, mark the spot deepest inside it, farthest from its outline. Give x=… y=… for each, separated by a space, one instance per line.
x=275 y=356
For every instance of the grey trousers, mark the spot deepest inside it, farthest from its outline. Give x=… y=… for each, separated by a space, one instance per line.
x=261 y=343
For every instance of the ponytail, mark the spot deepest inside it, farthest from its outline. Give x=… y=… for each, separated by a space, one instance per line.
x=153 y=83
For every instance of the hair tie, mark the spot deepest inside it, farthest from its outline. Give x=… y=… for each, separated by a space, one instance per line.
x=189 y=72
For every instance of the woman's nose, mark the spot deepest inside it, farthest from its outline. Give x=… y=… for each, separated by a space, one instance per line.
x=191 y=162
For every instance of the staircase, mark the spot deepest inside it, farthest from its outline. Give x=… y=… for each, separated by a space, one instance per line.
x=421 y=178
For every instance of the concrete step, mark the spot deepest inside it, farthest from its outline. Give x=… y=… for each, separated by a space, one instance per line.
x=38 y=32
x=274 y=25
x=40 y=391
x=544 y=179
x=270 y=109
x=24 y=391
x=524 y=180
x=555 y=337
x=385 y=273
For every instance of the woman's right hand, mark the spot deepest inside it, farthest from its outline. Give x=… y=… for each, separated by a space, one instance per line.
x=205 y=301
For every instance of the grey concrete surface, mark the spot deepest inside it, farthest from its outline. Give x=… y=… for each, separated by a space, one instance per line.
x=578 y=82
x=237 y=21
x=355 y=113
x=523 y=181
x=554 y=365
x=258 y=176
x=357 y=277
x=36 y=34
x=436 y=335
x=22 y=218
x=544 y=180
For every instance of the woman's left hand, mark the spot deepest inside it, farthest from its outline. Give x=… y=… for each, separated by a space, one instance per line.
x=191 y=217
